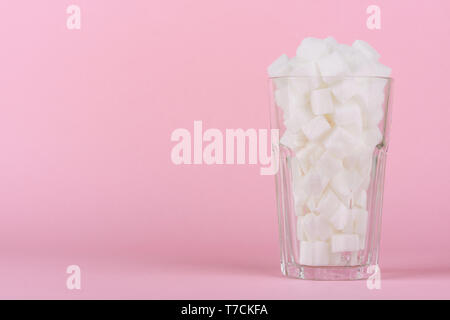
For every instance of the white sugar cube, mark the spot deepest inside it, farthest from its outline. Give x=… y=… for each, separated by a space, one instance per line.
x=332 y=65
x=348 y=53
x=371 y=93
x=308 y=155
x=312 y=48
x=321 y=101
x=331 y=42
x=279 y=67
x=295 y=168
x=301 y=139
x=348 y=114
x=300 y=232
x=279 y=83
x=350 y=225
x=315 y=182
x=294 y=104
x=316 y=227
x=361 y=218
x=354 y=129
x=366 y=49
x=365 y=182
x=344 y=242
x=345 y=90
x=309 y=226
x=346 y=182
x=373 y=69
x=361 y=199
x=295 y=101
x=377 y=87
x=282 y=98
x=321 y=253
x=298 y=119
x=342 y=218
x=297 y=113
x=323 y=228
x=314 y=253
x=293 y=140
x=307 y=253
x=373 y=117
x=372 y=136
x=300 y=86
x=311 y=204
x=300 y=195
x=340 y=142
x=289 y=140
x=380 y=70
x=306 y=69
x=328 y=164
x=360 y=159
x=328 y=204
x=365 y=164
x=316 y=128
x=354 y=179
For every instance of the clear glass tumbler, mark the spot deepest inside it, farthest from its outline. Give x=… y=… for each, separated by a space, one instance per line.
x=334 y=134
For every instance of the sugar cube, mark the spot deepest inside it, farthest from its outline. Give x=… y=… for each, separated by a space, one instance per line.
x=340 y=142
x=348 y=113
x=366 y=49
x=328 y=164
x=312 y=48
x=321 y=101
x=361 y=218
x=344 y=242
x=361 y=199
x=342 y=218
x=307 y=253
x=314 y=253
x=328 y=204
x=300 y=232
x=332 y=66
x=279 y=67
x=316 y=128
x=321 y=253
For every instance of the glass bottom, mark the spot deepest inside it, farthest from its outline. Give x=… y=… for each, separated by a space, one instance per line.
x=327 y=273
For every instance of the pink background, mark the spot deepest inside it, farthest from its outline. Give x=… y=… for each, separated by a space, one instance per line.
x=85 y=170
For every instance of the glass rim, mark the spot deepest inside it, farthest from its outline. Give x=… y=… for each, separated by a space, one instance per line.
x=331 y=77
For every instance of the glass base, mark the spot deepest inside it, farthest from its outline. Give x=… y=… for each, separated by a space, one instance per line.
x=332 y=273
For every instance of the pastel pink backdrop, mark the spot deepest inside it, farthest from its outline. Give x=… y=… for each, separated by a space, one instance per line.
x=85 y=170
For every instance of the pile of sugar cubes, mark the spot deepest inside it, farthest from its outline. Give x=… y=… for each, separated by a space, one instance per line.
x=332 y=99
